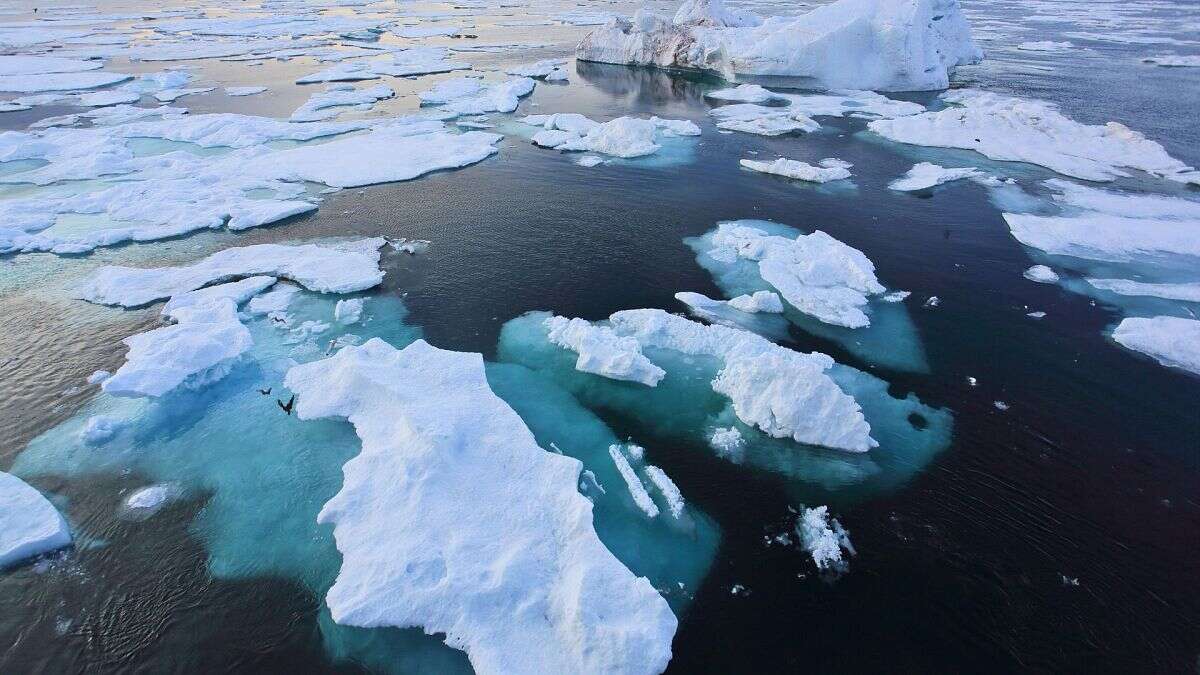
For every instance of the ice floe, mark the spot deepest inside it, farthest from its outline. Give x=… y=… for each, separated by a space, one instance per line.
x=325 y=105
x=550 y=70
x=637 y=490
x=70 y=81
x=866 y=44
x=471 y=96
x=1187 y=291
x=29 y=523
x=403 y=63
x=547 y=596
x=1172 y=341
x=348 y=311
x=794 y=112
x=603 y=352
x=624 y=137
x=243 y=91
x=925 y=175
x=25 y=64
x=1033 y=131
x=327 y=269
x=1041 y=274
x=828 y=169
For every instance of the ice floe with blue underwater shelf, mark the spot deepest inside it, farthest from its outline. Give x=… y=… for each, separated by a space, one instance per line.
x=265 y=475
x=715 y=380
x=830 y=289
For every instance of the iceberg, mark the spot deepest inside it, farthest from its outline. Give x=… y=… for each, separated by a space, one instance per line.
x=1170 y=340
x=1029 y=130
x=419 y=551
x=892 y=45
x=29 y=523
x=830 y=169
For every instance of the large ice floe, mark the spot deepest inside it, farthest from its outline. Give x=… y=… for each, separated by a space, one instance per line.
x=546 y=596
x=828 y=169
x=130 y=180
x=894 y=45
x=1172 y=341
x=265 y=476
x=623 y=137
x=29 y=523
x=1036 y=132
x=824 y=425
x=208 y=337
x=830 y=289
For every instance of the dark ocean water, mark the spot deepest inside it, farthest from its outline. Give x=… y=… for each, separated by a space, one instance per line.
x=1092 y=473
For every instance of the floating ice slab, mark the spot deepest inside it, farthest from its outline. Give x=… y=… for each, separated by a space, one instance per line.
x=925 y=175
x=546 y=597
x=745 y=93
x=470 y=96
x=198 y=350
x=551 y=70
x=1111 y=226
x=815 y=273
x=865 y=44
x=1028 y=130
x=762 y=120
x=22 y=64
x=1172 y=341
x=385 y=155
x=327 y=269
x=830 y=169
x=624 y=137
x=348 y=311
x=29 y=84
x=404 y=63
x=326 y=104
x=637 y=490
x=243 y=91
x=29 y=523
x=236 y=291
x=603 y=352
x=1188 y=292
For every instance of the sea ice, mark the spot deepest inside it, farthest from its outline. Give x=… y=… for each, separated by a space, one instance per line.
x=1172 y=341
x=603 y=352
x=324 y=105
x=23 y=64
x=1041 y=274
x=30 y=84
x=326 y=269
x=824 y=538
x=637 y=491
x=1174 y=61
x=551 y=70
x=624 y=137
x=99 y=429
x=668 y=489
x=470 y=96
x=865 y=44
x=419 y=551
x=830 y=169
x=29 y=523
x=1028 y=130
x=1188 y=292
x=243 y=91
x=925 y=175
x=348 y=311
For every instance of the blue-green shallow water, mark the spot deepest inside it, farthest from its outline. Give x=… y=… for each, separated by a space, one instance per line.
x=1091 y=473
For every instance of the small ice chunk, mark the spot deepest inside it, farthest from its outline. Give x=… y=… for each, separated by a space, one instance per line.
x=29 y=523
x=824 y=538
x=728 y=443
x=1041 y=274
x=348 y=311
x=745 y=93
x=636 y=489
x=147 y=500
x=99 y=429
x=759 y=301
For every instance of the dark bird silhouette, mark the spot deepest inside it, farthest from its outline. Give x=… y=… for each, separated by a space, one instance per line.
x=278 y=320
x=287 y=408
x=265 y=392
